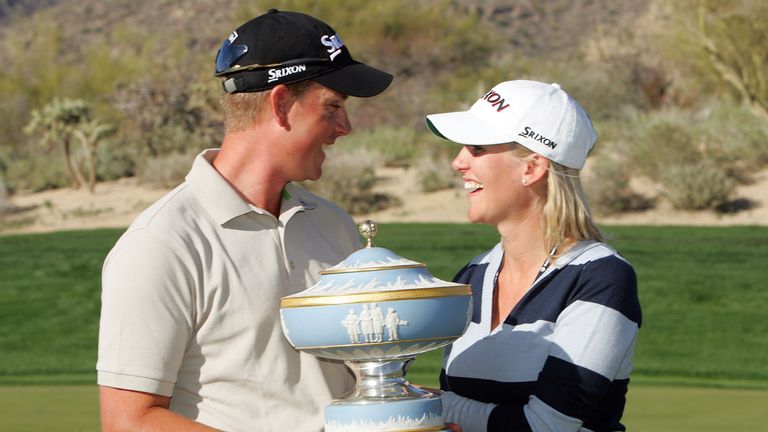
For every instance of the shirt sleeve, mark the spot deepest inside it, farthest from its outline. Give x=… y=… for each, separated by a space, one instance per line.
x=146 y=315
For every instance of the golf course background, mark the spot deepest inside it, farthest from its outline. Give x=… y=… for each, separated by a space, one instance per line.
x=701 y=361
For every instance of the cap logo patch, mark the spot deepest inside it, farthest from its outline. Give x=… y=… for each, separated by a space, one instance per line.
x=530 y=133
x=276 y=74
x=334 y=44
x=495 y=100
x=232 y=36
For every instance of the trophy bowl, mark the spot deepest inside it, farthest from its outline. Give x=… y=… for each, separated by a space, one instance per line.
x=377 y=311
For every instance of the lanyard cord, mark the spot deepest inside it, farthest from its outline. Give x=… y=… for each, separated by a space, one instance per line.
x=546 y=264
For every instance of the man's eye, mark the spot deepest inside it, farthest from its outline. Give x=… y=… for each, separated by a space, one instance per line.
x=476 y=149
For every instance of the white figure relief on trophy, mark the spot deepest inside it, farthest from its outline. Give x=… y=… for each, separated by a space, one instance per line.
x=378 y=323
x=370 y=323
x=366 y=323
x=351 y=322
x=393 y=321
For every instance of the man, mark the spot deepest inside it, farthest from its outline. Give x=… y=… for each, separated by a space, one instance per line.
x=190 y=335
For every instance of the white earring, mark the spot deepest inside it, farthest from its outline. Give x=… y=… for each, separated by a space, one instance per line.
x=525 y=181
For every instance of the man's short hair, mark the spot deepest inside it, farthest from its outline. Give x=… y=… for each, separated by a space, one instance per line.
x=242 y=110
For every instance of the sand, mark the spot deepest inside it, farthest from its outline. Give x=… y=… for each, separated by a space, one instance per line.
x=116 y=204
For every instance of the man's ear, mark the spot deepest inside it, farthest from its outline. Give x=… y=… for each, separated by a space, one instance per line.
x=281 y=100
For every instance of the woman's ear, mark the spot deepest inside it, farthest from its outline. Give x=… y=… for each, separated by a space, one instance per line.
x=281 y=100
x=536 y=168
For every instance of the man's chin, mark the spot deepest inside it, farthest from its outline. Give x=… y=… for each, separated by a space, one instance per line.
x=315 y=177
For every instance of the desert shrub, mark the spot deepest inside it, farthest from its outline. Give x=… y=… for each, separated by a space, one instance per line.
x=660 y=140
x=348 y=180
x=37 y=172
x=166 y=170
x=5 y=202
x=435 y=173
x=396 y=146
x=735 y=137
x=723 y=132
x=697 y=156
x=161 y=117
x=115 y=160
x=588 y=84
x=697 y=186
x=608 y=187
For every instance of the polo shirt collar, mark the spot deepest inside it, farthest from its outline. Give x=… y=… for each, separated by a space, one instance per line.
x=574 y=252
x=223 y=202
x=219 y=199
x=296 y=197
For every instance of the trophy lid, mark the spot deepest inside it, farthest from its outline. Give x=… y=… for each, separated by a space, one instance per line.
x=371 y=258
x=373 y=271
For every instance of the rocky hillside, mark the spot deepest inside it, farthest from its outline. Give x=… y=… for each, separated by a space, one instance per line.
x=15 y=8
x=538 y=28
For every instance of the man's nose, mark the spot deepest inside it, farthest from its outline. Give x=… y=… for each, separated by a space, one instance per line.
x=343 y=126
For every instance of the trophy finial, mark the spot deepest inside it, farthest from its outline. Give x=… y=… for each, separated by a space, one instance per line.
x=368 y=230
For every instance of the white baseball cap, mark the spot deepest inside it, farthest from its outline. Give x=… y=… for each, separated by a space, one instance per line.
x=541 y=117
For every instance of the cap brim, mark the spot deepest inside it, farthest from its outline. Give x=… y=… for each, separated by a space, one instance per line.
x=356 y=79
x=464 y=127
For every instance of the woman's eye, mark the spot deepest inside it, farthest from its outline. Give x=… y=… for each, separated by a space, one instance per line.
x=476 y=149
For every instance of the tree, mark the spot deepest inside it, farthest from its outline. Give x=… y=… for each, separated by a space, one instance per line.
x=64 y=122
x=733 y=35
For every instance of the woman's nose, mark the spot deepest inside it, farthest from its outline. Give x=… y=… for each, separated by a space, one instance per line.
x=459 y=162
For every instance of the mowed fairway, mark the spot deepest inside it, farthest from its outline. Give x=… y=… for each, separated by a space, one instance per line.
x=65 y=408
x=650 y=408
x=683 y=409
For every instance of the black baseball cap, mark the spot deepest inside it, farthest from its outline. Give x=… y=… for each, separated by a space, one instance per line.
x=287 y=47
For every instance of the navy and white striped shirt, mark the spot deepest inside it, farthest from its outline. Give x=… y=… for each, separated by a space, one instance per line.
x=562 y=358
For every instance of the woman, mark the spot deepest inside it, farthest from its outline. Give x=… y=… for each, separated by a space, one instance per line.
x=555 y=310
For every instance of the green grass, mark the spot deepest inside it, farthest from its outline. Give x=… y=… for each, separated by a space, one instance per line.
x=703 y=293
x=49 y=305
x=704 y=298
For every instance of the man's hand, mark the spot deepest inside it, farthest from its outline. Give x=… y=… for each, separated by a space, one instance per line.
x=128 y=410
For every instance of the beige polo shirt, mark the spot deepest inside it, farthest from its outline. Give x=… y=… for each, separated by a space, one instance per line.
x=190 y=304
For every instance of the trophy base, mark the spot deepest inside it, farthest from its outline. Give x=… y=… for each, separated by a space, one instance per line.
x=390 y=416
x=383 y=401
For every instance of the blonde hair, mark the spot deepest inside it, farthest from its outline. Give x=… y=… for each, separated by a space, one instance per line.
x=567 y=218
x=242 y=110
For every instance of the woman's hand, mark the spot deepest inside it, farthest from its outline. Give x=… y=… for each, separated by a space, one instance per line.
x=452 y=426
